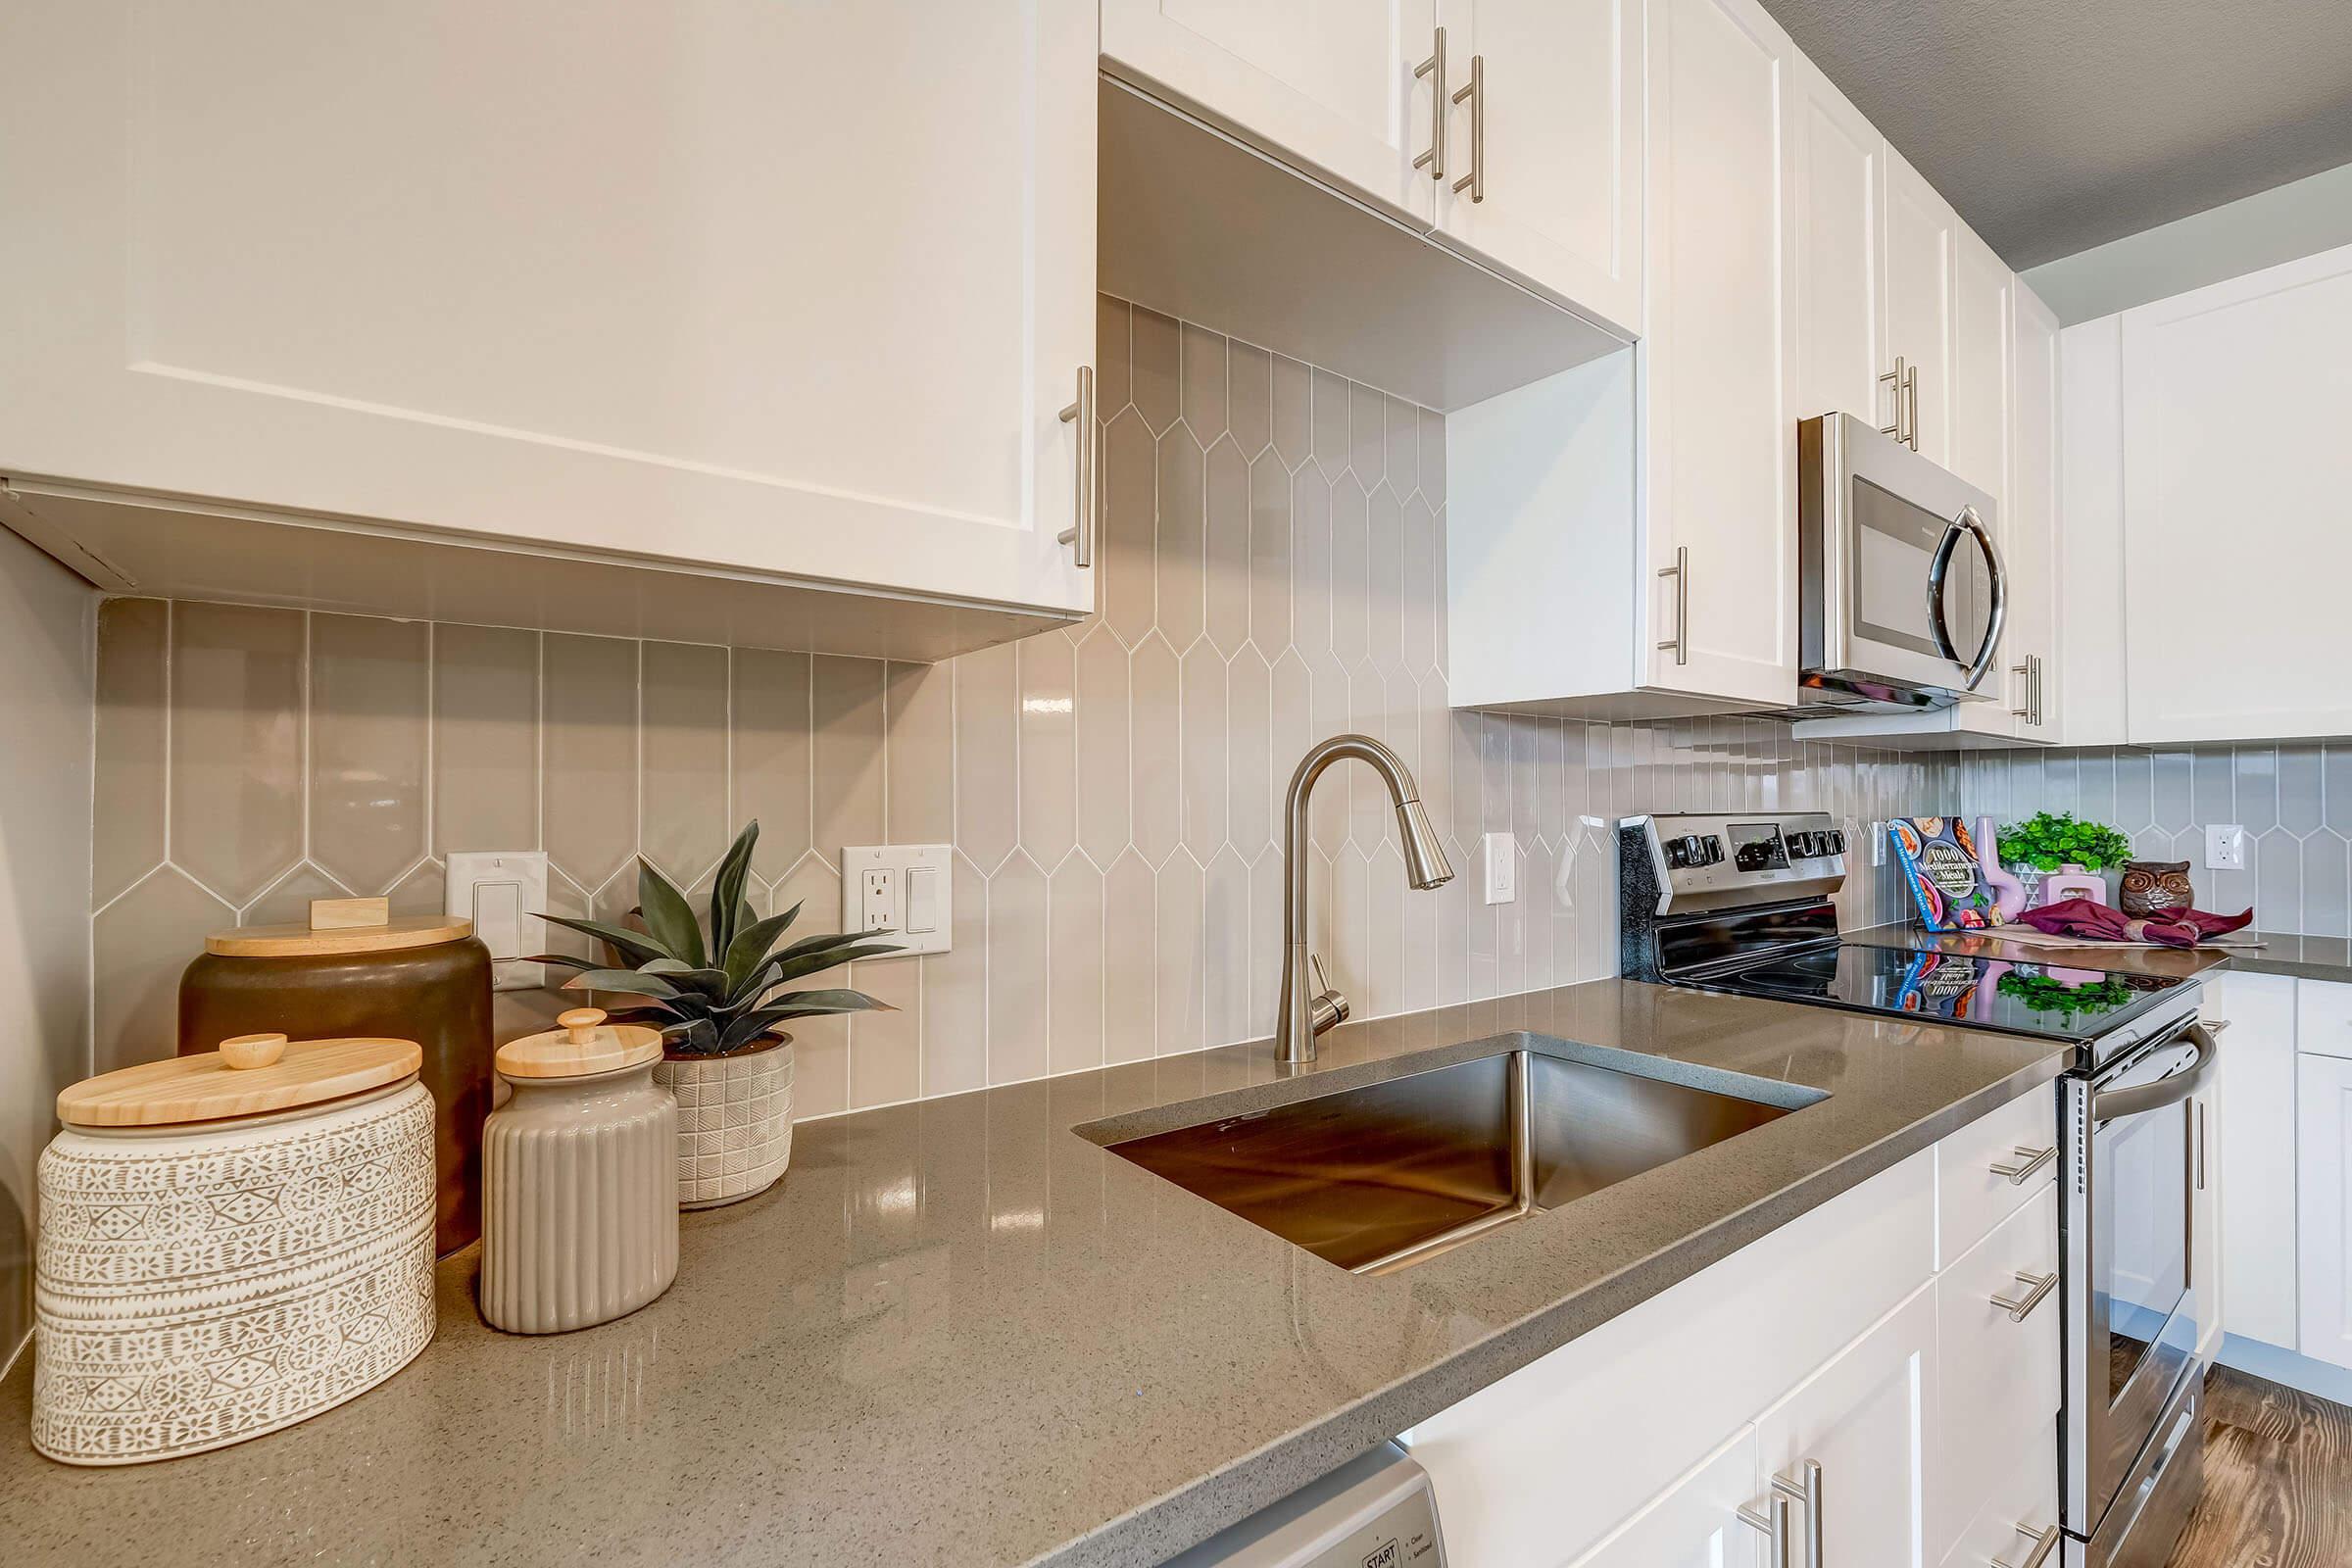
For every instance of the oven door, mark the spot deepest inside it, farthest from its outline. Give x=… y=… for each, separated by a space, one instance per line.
x=1903 y=596
x=2130 y=1302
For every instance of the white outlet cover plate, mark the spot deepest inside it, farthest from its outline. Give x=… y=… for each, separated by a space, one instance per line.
x=899 y=887
x=502 y=892
x=1500 y=853
x=2225 y=847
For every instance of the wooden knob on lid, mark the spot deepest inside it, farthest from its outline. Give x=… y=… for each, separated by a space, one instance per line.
x=252 y=1050
x=580 y=1023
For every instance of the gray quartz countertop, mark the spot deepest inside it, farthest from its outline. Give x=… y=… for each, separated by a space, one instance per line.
x=959 y=1332
x=2254 y=951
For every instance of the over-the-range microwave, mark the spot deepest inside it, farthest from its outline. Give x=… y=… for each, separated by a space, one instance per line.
x=1900 y=590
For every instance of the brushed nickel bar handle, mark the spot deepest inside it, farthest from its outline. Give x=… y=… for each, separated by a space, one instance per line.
x=2044 y=1541
x=1911 y=387
x=1080 y=535
x=1476 y=92
x=1680 y=571
x=2030 y=1160
x=1434 y=68
x=1895 y=379
x=2018 y=1308
x=2024 y=671
x=2201 y=1140
x=1806 y=1494
x=1773 y=1520
x=2038 y=666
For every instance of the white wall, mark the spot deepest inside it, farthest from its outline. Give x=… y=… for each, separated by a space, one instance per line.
x=47 y=699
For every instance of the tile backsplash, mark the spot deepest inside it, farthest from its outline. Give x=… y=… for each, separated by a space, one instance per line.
x=1271 y=573
x=2293 y=799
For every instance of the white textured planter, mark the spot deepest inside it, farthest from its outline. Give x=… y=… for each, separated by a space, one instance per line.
x=734 y=1123
x=200 y=1285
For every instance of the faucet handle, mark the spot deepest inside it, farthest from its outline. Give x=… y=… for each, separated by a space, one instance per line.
x=1328 y=1006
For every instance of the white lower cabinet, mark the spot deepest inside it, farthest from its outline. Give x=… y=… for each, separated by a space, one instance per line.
x=2258 y=1174
x=1855 y=1435
x=1830 y=1355
x=1694 y=1525
x=2016 y=1515
x=2324 y=1117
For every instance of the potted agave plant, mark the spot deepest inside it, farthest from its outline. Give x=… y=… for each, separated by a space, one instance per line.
x=721 y=1008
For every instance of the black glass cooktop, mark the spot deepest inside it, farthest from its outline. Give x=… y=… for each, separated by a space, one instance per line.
x=2028 y=999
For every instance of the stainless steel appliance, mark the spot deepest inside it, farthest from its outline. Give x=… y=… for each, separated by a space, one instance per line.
x=1375 y=1511
x=1901 y=595
x=1741 y=904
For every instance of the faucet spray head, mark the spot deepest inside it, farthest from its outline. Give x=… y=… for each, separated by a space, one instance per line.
x=1425 y=863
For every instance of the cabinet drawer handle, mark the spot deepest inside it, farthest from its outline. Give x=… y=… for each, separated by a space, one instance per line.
x=1080 y=535
x=1434 y=68
x=1773 y=1520
x=2044 y=1541
x=2028 y=1160
x=2036 y=720
x=1911 y=390
x=1895 y=379
x=2020 y=1309
x=1680 y=571
x=2025 y=690
x=1476 y=92
x=1774 y=1523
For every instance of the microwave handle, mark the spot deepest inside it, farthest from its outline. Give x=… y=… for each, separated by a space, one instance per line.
x=1970 y=523
x=2112 y=1105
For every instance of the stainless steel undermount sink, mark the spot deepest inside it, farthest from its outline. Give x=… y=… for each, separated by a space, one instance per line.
x=1390 y=1174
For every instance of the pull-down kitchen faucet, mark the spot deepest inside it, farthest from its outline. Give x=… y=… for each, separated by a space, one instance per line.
x=1308 y=1007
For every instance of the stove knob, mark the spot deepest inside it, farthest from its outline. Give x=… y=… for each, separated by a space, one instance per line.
x=1693 y=849
x=1712 y=847
x=1836 y=841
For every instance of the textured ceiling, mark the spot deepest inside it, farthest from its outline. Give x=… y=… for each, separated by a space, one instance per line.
x=2054 y=126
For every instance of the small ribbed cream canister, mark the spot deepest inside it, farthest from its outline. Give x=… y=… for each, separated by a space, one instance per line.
x=580 y=1178
x=230 y=1243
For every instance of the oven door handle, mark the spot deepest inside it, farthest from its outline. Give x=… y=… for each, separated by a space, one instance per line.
x=2112 y=1105
x=1968 y=523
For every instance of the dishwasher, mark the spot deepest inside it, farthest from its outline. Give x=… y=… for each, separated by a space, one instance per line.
x=1375 y=1511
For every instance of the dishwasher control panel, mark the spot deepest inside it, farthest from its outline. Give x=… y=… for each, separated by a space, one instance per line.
x=1376 y=1511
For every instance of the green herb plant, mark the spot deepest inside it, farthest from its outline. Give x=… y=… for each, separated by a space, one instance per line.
x=717 y=999
x=2050 y=840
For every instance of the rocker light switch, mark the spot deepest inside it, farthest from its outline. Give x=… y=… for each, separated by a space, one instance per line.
x=502 y=892
x=902 y=889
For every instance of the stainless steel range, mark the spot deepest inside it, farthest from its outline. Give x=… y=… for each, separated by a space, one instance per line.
x=1742 y=904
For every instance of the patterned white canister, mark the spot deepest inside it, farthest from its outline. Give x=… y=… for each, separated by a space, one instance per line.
x=229 y=1242
x=734 y=1123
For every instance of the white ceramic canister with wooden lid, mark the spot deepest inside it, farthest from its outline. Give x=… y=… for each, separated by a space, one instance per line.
x=229 y=1242
x=580 y=1179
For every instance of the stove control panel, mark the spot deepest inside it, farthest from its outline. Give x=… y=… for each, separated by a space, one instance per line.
x=1719 y=862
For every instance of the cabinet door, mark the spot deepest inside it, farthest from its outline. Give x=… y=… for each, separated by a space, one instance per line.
x=2090 y=535
x=1865 y=1419
x=1327 y=85
x=1999 y=1375
x=1721 y=542
x=1558 y=193
x=2258 y=1156
x=1697 y=1523
x=2234 y=406
x=793 y=289
x=2324 y=1117
x=1977 y=435
x=2029 y=525
x=1836 y=178
x=1922 y=238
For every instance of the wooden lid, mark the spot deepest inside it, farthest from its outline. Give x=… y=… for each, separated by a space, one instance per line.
x=307 y=941
x=250 y=1075
x=584 y=1045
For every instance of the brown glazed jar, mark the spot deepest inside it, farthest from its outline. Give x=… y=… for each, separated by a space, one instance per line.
x=415 y=977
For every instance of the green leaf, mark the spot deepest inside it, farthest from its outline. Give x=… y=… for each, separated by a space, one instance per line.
x=697 y=1037
x=635 y=981
x=819 y=1002
x=636 y=944
x=834 y=951
x=667 y=967
x=668 y=915
x=726 y=889
x=752 y=943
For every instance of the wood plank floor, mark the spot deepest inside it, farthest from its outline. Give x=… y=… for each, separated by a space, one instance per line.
x=2278 y=1483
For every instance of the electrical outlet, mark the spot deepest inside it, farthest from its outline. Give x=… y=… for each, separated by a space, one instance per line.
x=502 y=892
x=1877 y=844
x=903 y=889
x=2225 y=847
x=1502 y=853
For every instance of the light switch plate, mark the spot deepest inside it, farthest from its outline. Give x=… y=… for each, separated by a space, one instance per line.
x=1501 y=852
x=502 y=892
x=905 y=889
x=2225 y=847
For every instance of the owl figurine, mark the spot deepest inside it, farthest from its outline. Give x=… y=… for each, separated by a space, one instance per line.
x=2153 y=887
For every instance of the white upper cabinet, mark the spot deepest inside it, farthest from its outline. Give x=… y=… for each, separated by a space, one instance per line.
x=793 y=291
x=1921 y=244
x=2028 y=524
x=2091 y=546
x=1840 y=273
x=1329 y=85
x=1720 y=556
x=1977 y=428
x=1544 y=156
x=2236 y=470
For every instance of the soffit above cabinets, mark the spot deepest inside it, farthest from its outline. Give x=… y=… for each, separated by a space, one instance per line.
x=1197 y=225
